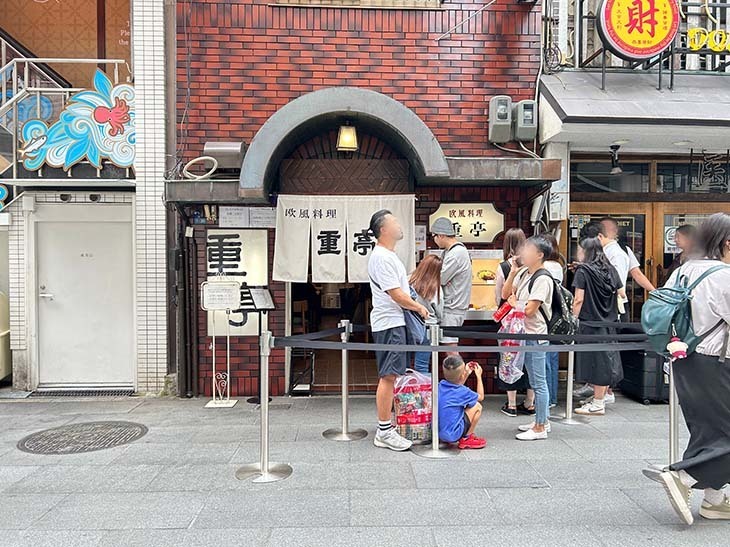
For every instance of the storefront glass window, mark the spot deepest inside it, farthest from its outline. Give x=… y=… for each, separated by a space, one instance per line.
x=708 y=174
x=594 y=177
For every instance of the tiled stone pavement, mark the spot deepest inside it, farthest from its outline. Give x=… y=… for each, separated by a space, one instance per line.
x=176 y=486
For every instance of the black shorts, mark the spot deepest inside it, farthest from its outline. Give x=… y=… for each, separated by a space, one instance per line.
x=391 y=362
x=467 y=424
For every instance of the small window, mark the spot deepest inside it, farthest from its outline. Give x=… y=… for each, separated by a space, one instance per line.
x=424 y=4
x=592 y=177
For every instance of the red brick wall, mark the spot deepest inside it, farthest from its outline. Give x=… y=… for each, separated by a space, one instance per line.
x=243 y=60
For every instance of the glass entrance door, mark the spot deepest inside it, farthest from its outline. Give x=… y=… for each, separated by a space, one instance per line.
x=635 y=221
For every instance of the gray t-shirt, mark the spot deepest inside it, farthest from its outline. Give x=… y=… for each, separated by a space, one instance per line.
x=386 y=272
x=456 y=279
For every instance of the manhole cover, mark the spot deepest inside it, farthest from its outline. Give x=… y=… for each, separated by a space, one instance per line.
x=86 y=437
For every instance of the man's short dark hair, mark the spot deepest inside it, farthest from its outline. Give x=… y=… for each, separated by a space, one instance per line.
x=451 y=365
x=688 y=230
x=377 y=221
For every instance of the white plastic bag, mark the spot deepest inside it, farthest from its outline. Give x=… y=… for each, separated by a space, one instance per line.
x=412 y=397
x=511 y=363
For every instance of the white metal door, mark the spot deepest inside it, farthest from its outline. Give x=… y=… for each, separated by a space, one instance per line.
x=85 y=307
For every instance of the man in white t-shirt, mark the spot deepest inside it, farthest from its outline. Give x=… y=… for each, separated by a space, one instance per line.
x=391 y=296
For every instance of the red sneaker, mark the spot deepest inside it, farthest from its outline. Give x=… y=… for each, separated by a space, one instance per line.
x=472 y=441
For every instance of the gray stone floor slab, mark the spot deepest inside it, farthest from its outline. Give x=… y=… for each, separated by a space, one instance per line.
x=395 y=507
x=594 y=474
x=351 y=537
x=663 y=536
x=620 y=449
x=476 y=474
x=18 y=511
x=255 y=537
x=524 y=535
x=268 y=508
x=569 y=507
x=146 y=510
x=9 y=475
x=36 y=538
x=68 y=479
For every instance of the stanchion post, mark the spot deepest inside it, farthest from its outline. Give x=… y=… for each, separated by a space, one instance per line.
x=673 y=418
x=569 y=420
x=264 y=470
x=435 y=451
x=344 y=434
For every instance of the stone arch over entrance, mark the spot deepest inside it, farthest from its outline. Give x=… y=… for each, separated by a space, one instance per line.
x=396 y=123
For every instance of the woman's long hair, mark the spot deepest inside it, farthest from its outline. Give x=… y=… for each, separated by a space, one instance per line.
x=593 y=253
x=555 y=255
x=514 y=238
x=426 y=279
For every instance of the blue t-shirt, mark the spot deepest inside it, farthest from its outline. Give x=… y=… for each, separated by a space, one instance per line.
x=453 y=399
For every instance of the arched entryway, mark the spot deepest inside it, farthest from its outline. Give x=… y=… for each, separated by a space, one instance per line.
x=320 y=111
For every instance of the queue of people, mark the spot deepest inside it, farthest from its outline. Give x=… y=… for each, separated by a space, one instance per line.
x=438 y=290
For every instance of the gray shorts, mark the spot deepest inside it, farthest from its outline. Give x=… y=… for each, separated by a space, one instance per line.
x=391 y=362
x=451 y=319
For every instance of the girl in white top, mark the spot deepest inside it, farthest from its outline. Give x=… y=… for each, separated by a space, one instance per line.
x=703 y=381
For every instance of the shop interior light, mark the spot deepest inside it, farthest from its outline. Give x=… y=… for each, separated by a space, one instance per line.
x=621 y=141
x=682 y=143
x=347 y=139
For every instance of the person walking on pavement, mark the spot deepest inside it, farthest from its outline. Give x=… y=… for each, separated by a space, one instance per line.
x=702 y=380
x=455 y=276
x=391 y=296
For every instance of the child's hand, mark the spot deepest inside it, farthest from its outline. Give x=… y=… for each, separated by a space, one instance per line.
x=478 y=370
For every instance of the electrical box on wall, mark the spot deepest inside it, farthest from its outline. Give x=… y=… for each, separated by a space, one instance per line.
x=524 y=117
x=500 y=119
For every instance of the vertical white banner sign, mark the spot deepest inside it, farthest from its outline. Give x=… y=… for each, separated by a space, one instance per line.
x=328 y=239
x=291 y=247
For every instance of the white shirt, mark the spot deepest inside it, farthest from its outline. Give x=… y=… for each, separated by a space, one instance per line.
x=386 y=272
x=710 y=302
x=623 y=261
x=542 y=291
x=555 y=269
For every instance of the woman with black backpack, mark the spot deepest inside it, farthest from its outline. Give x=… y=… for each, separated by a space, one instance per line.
x=702 y=379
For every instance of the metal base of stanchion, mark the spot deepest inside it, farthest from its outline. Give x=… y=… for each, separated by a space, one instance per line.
x=339 y=435
x=255 y=400
x=570 y=421
x=444 y=451
x=276 y=472
x=229 y=403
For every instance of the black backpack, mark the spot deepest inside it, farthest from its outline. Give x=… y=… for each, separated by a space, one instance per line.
x=562 y=320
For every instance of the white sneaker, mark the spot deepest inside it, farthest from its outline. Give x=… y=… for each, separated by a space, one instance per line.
x=609 y=399
x=531 y=435
x=679 y=495
x=391 y=439
x=527 y=427
x=591 y=409
x=716 y=512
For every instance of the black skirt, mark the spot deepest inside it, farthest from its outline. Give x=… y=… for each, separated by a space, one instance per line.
x=600 y=368
x=703 y=388
x=520 y=385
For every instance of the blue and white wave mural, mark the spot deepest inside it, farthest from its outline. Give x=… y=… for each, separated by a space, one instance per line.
x=95 y=126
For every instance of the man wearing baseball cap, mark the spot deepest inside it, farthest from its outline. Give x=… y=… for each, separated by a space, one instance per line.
x=455 y=275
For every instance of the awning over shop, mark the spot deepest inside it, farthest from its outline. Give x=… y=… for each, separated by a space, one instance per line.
x=694 y=114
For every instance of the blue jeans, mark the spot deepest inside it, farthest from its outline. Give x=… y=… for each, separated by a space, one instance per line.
x=422 y=359
x=551 y=365
x=535 y=365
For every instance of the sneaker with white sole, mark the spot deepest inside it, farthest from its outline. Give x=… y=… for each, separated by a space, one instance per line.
x=679 y=495
x=716 y=512
x=391 y=439
x=583 y=391
x=532 y=435
x=654 y=472
x=527 y=427
x=591 y=409
x=609 y=399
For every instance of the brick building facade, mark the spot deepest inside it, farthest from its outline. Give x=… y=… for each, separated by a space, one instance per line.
x=239 y=63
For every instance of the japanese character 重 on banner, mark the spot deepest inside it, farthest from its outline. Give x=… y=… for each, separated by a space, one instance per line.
x=291 y=247
x=328 y=239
